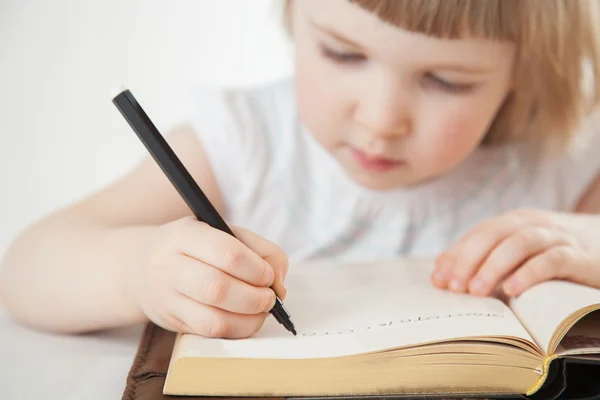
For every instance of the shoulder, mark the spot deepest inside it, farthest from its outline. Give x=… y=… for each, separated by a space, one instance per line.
x=576 y=170
x=589 y=150
x=533 y=175
x=243 y=118
x=240 y=130
x=238 y=106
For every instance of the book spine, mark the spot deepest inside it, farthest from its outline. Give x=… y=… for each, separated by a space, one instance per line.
x=545 y=368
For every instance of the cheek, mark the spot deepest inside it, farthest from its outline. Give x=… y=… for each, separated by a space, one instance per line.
x=459 y=126
x=320 y=105
x=451 y=137
x=308 y=98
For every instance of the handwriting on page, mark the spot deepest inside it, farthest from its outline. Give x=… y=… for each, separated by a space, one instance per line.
x=387 y=324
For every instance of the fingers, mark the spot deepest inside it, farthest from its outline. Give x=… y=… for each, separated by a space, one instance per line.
x=510 y=254
x=554 y=262
x=456 y=266
x=494 y=249
x=223 y=251
x=189 y=316
x=271 y=253
x=211 y=286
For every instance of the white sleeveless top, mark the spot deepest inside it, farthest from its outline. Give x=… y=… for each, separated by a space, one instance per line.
x=277 y=181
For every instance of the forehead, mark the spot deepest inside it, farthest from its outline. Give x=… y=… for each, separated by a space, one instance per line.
x=393 y=43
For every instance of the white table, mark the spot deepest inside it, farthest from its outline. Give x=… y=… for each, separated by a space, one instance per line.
x=35 y=365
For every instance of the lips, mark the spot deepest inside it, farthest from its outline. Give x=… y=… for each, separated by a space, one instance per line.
x=374 y=163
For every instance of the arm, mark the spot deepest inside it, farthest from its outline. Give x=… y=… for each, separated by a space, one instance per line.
x=525 y=247
x=70 y=272
x=590 y=201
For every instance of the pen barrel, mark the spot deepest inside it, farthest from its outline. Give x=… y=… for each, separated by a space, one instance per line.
x=281 y=315
x=168 y=161
x=181 y=179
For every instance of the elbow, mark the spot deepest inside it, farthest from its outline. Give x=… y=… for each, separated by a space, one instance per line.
x=14 y=280
x=6 y=267
x=8 y=287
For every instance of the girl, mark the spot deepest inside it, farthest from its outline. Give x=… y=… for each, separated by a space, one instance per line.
x=459 y=130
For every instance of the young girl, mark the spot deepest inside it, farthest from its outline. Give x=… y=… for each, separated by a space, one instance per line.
x=459 y=130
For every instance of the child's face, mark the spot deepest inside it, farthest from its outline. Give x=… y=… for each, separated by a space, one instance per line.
x=394 y=108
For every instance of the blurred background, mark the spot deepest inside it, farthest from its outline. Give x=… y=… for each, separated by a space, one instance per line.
x=60 y=135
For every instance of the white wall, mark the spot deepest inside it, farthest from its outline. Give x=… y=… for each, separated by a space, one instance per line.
x=60 y=135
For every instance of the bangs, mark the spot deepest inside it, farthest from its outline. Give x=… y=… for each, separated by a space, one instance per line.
x=454 y=19
x=557 y=60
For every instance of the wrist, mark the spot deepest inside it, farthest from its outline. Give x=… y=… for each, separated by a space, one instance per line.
x=135 y=244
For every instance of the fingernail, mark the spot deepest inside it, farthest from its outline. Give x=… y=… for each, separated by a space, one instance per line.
x=269 y=273
x=272 y=304
x=440 y=277
x=282 y=286
x=511 y=287
x=478 y=286
x=456 y=285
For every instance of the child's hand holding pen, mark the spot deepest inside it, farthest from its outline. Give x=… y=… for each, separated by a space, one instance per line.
x=197 y=279
x=204 y=280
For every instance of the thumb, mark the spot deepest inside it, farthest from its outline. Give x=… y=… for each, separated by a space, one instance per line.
x=269 y=252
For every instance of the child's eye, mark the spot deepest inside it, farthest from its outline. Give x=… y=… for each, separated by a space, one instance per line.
x=341 y=57
x=448 y=86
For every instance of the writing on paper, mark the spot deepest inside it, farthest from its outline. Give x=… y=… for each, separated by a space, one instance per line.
x=387 y=324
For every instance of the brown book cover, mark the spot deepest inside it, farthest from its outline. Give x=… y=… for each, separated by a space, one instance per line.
x=147 y=375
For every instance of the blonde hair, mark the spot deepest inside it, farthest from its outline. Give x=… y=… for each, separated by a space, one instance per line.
x=557 y=68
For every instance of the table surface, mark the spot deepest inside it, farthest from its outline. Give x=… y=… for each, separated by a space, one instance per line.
x=36 y=365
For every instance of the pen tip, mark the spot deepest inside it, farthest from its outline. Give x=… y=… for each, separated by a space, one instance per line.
x=294 y=331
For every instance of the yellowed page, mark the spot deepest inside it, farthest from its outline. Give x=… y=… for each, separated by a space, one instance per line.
x=583 y=338
x=348 y=309
x=543 y=307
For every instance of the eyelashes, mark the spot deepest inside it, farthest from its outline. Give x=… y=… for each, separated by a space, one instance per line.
x=343 y=57
x=448 y=86
x=430 y=80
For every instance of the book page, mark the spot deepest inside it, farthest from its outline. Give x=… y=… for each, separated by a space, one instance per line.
x=349 y=309
x=583 y=338
x=545 y=306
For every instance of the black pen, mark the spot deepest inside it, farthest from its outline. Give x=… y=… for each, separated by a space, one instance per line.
x=180 y=177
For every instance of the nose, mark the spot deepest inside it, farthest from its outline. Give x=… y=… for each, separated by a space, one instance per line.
x=385 y=112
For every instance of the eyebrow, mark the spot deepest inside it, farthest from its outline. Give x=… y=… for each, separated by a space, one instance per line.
x=335 y=35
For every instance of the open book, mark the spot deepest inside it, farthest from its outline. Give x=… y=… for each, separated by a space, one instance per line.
x=382 y=328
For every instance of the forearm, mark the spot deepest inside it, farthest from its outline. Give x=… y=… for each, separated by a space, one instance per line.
x=68 y=274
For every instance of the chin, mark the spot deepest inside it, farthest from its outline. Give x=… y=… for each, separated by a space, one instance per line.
x=379 y=182
x=380 y=185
